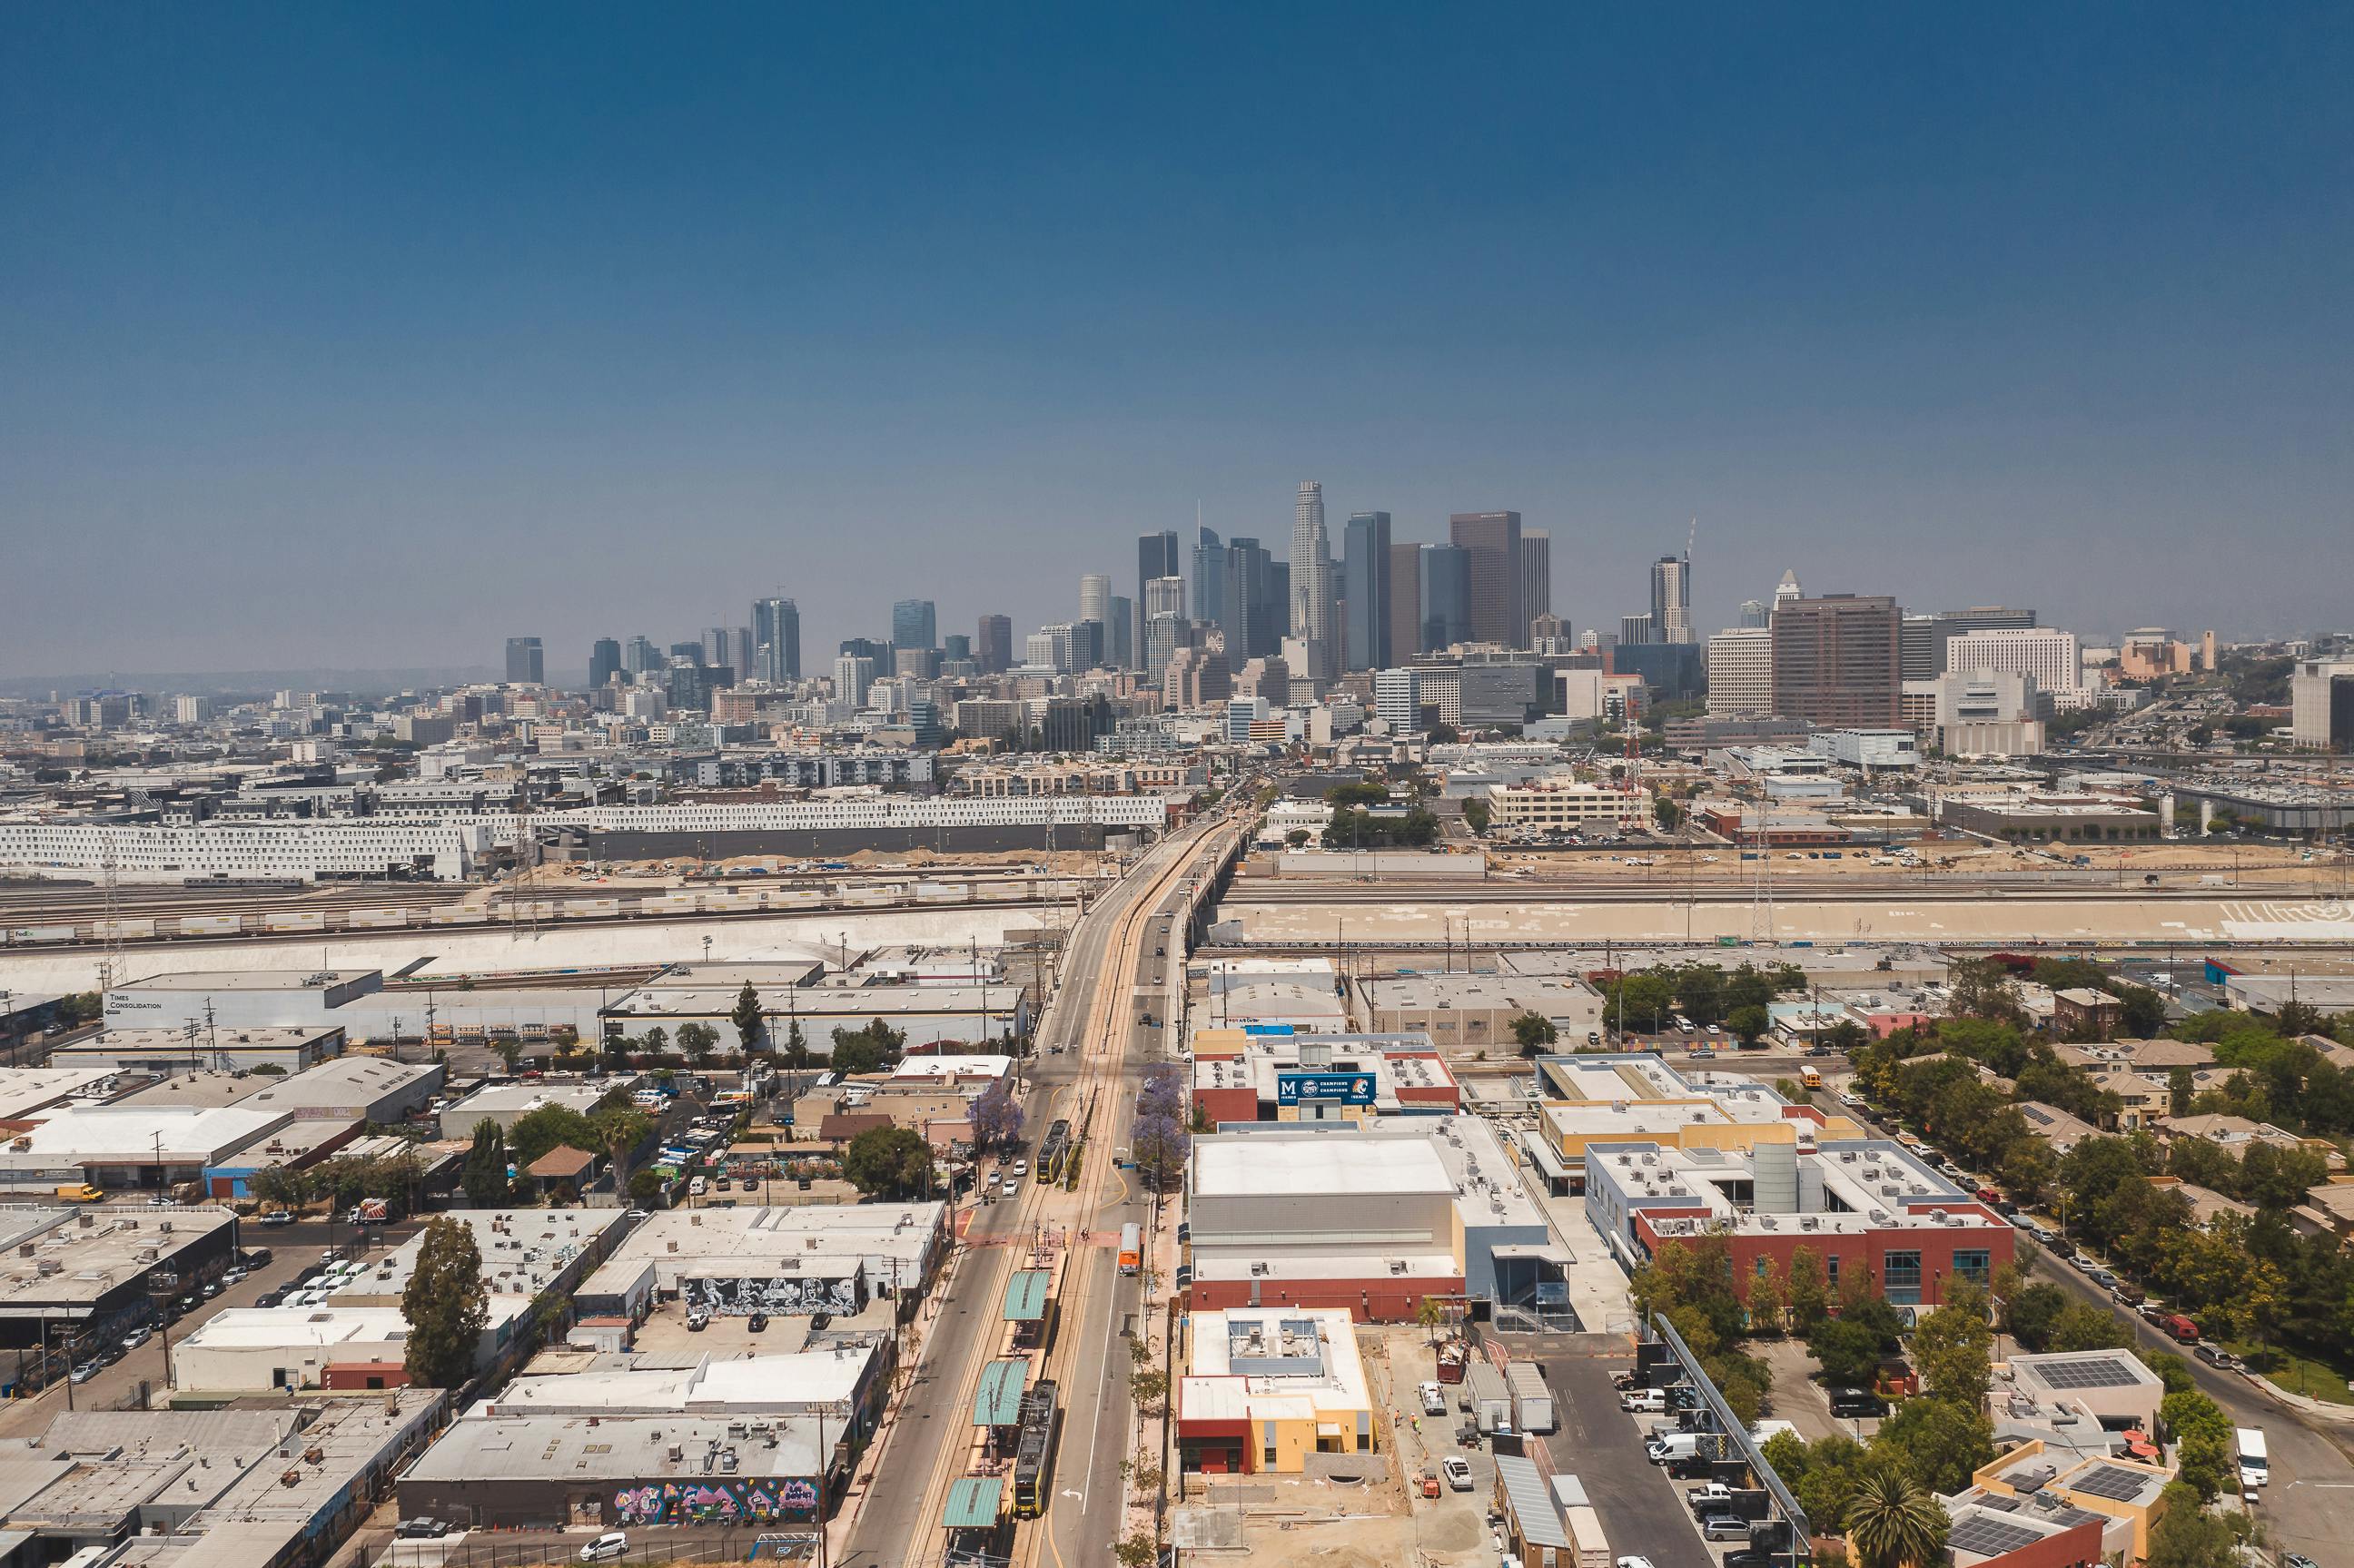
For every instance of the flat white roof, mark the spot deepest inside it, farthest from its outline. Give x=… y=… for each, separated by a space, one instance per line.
x=1237 y=1164
x=954 y=1066
x=806 y=1378
x=265 y=1328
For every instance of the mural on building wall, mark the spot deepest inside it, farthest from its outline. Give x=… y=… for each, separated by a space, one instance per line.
x=714 y=1502
x=779 y=1298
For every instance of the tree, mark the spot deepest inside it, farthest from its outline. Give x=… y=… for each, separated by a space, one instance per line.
x=1943 y=1443
x=996 y=1117
x=1298 y=837
x=873 y=1049
x=509 y=1051
x=1809 y=1297
x=797 y=1055
x=550 y=1126
x=484 y=1174
x=747 y=1019
x=1749 y=1022
x=2210 y=1452
x=446 y=1306
x=1477 y=815
x=1848 y=1352
x=699 y=1041
x=2190 y=1537
x=2082 y=1326
x=2141 y=1010
x=888 y=1161
x=1159 y=1144
x=2032 y=1314
x=1769 y=1299
x=1533 y=1030
x=1893 y=1523
x=1981 y=987
x=1430 y=1315
x=1956 y=1345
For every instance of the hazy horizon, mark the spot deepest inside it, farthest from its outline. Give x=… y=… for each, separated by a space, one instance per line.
x=366 y=339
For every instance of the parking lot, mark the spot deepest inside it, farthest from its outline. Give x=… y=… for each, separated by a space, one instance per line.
x=1642 y=1512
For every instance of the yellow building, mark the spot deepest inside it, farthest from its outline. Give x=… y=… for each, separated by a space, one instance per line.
x=2127 y=1493
x=1266 y=1387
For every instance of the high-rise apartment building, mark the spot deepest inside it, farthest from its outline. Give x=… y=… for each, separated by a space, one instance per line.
x=777 y=641
x=1312 y=595
x=1949 y=624
x=853 y=677
x=639 y=655
x=2053 y=658
x=915 y=623
x=1835 y=661
x=526 y=665
x=1366 y=636
x=1636 y=629
x=2321 y=705
x=1536 y=574
x=1671 y=599
x=1447 y=588
x=1741 y=673
x=1916 y=647
x=604 y=662
x=1491 y=543
x=1397 y=700
x=993 y=644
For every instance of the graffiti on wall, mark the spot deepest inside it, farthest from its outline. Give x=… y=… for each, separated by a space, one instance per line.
x=714 y=1502
x=779 y=1298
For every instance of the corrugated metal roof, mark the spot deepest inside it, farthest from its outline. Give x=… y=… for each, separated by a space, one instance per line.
x=1531 y=1501
x=999 y=1401
x=1025 y=1295
x=973 y=1502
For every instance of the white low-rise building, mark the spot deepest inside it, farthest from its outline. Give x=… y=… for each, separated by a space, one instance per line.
x=1569 y=805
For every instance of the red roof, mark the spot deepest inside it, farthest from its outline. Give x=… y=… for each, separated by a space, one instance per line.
x=841 y=1127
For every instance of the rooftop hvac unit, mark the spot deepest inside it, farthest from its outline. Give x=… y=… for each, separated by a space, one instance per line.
x=1807 y=1221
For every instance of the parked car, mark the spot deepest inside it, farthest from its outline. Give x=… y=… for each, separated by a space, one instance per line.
x=1643 y=1402
x=696 y=1321
x=1748 y=1558
x=1458 y=1471
x=279 y=1217
x=758 y=1323
x=84 y=1372
x=607 y=1548
x=1847 y=1403
x=1723 y=1527
x=137 y=1338
x=1434 y=1401
x=422 y=1528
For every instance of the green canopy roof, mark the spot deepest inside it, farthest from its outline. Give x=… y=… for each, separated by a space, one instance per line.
x=999 y=1401
x=973 y=1502
x=1025 y=1295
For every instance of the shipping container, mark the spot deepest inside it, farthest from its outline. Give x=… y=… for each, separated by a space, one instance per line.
x=376 y=919
x=32 y=934
x=1585 y=1528
x=211 y=924
x=295 y=920
x=123 y=931
x=1492 y=1403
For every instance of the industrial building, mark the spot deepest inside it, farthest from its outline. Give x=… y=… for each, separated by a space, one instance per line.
x=495 y=1470
x=214 y=1000
x=132 y=1146
x=208 y=1489
x=930 y=1015
x=1463 y=1013
x=1252 y=1074
x=507 y=1104
x=1626 y=1098
x=1867 y=1208
x=163 y=1051
x=96 y=1271
x=1367 y=1218
x=800 y=1260
x=249 y=1351
x=1265 y=1388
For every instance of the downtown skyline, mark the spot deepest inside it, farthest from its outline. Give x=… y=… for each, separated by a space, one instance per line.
x=615 y=328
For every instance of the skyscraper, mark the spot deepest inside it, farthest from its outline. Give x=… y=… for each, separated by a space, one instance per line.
x=915 y=623
x=1491 y=541
x=1636 y=629
x=957 y=647
x=776 y=641
x=1164 y=596
x=1366 y=548
x=1536 y=576
x=853 y=677
x=1095 y=596
x=1446 y=596
x=1787 y=589
x=1121 y=630
x=1311 y=582
x=1256 y=611
x=1753 y=614
x=526 y=665
x=604 y=662
x=1835 y=661
x=1209 y=580
x=992 y=646
x=639 y=655
x=1671 y=599
x=1405 y=601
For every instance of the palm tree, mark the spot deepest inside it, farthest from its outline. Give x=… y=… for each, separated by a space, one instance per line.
x=1892 y=1521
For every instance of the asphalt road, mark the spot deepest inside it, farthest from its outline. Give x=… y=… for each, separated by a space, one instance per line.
x=968 y=1320
x=1643 y=1512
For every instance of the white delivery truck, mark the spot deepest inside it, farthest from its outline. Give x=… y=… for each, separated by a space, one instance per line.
x=2255 y=1462
x=1532 y=1400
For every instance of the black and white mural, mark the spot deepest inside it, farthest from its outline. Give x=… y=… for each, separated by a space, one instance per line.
x=783 y=1297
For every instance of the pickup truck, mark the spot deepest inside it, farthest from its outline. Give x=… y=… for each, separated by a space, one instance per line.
x=1714 y=1498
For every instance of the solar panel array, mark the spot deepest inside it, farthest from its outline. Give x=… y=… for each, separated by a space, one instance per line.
x=1989 y=1537
x=2096 y=1372
x=2109 y=1481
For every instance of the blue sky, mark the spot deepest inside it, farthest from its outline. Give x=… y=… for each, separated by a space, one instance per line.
x=344 y=335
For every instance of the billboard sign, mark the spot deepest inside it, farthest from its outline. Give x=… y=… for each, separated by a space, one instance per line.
x=1324 y=1088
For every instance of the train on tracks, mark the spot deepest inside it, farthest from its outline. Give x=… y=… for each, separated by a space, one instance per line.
x=1033 y=1451
x=1054 y=1152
